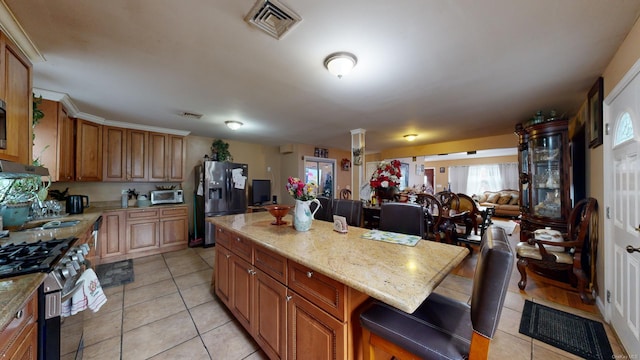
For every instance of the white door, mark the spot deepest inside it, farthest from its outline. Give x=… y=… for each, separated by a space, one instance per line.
x=622 y=160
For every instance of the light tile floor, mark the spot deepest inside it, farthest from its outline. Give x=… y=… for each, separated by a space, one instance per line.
x=169 y=312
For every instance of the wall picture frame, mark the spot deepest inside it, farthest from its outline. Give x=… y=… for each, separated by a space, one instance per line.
x=442 y=170
x=594 y=113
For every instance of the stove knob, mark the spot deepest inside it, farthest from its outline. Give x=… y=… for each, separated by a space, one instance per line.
x=85 y=248
x=73 y=257
x=65 y=273
x=75 y=265
x=72 y=270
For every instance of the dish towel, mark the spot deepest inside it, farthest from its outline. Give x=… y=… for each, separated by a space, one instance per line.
x=90 y=295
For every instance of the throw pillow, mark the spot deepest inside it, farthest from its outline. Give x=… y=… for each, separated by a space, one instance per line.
x=504 y=200
x=514 y=200
x=493 y=198
x=482 y=198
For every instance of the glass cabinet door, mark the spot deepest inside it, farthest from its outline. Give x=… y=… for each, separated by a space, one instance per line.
x=524 y=175
x=546 y=163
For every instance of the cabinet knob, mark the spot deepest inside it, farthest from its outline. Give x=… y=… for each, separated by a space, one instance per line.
x=288 y=297
x=238 y=239
x=309 y=274
x=251 y=271
x=227 y=255
x=19 y=314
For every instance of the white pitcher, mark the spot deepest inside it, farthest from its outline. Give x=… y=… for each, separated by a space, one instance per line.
x=302 y=215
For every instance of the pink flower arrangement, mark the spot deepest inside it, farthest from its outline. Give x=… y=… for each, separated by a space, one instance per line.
x=387 y=175
x=301 y=191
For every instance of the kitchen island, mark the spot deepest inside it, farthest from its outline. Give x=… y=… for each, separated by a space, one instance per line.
x=307 y=287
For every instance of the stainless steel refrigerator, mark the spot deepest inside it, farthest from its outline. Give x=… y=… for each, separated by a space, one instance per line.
x=221 y=189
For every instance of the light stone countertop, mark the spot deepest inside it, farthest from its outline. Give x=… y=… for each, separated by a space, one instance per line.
x=399 y=275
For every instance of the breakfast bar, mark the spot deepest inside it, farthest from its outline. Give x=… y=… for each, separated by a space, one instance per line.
x=322 y=276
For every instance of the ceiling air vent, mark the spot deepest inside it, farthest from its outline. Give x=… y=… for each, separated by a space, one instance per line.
x=191 y=115
x=272 y=17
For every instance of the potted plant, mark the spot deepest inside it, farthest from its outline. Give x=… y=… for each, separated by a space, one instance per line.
x=16 y=198
x=220 y=151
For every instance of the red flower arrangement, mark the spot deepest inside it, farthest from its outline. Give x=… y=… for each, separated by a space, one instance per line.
x=387 y=175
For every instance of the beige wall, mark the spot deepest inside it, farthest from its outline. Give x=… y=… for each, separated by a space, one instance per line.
x=485 y=143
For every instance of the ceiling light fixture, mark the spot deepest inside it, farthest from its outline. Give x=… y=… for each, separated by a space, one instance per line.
x=340 y=63
x=233 y=125
x=411 y=137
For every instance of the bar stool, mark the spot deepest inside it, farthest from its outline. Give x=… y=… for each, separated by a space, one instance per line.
x=404 y=218
x=350 y=209
x=442 y=327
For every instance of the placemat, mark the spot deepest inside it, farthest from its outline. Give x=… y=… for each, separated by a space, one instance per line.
x=391 y=237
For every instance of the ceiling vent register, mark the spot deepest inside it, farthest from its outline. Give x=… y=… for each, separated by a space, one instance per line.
x=272 y=17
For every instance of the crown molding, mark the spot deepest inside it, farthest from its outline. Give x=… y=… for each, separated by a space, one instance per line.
x=12 y=28
x=73 y=111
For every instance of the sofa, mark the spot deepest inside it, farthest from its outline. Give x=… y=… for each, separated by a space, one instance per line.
x=505 y=202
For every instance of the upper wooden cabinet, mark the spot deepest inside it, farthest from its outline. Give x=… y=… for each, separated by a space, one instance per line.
x=15 y=90
x=53 y=143
x=114 y=152
x=166 y=157
x=137 y=147
x=88 y=151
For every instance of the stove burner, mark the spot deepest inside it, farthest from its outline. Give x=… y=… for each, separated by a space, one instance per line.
x=27 y=258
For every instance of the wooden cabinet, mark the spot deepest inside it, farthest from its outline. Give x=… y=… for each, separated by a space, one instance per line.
x=19 y=340
x=88 y=151
x=544 y=165
x=166 y=157
x=53 y=143
x=15 y=90
x=137 y=145
x=136 y=232
x=142 y=230
x=112 y=238
x=290 y=310
x=174 y=227
x=114 y=153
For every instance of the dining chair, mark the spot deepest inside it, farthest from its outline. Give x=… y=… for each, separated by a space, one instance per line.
x=402 y=218
x=475 y=214
x=449 y=200
x=325 y=213
x=350 y=209
x=572 y=252
x=345 y=194
x=433 y=215
x=442 y=327
x=467 y=238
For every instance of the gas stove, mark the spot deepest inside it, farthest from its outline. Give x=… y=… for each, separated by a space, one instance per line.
x=27 y=258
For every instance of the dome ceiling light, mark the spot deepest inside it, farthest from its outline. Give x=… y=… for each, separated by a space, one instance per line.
x=340 y=63
x=411 y=137
x=233 y=125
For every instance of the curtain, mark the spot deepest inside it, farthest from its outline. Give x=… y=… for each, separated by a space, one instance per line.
x=476 y=179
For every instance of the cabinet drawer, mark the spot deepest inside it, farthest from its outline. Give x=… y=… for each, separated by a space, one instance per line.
x=321 y=290
x=241 y=246
x=143 y=214
x=171 y=212
x=21 y=319
x=223 y=237
x=271 y=263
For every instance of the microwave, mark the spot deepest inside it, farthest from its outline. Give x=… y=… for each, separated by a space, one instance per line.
x=166 y=197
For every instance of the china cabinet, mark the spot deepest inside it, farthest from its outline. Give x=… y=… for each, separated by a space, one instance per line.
x=544 y=165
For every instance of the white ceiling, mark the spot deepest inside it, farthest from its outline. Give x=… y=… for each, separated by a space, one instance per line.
x=444 y=69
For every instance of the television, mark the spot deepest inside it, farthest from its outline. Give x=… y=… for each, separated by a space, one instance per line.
x=260 y=192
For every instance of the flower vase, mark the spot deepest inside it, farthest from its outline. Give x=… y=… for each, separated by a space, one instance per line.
x=385 y=194
x=302 y=215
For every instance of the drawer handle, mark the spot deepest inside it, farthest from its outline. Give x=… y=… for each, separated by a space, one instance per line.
x=288 y=298
x=309 y=274
x=19 y=314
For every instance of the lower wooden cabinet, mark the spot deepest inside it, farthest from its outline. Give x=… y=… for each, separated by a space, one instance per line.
x=140 y=232
x=288 y=309
x=19 y=340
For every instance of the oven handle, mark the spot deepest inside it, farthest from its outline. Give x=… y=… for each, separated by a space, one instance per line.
x=75 y=289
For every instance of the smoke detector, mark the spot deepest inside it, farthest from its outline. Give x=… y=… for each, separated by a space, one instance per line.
x=272 y=17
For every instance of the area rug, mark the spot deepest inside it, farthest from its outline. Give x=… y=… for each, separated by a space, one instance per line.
x=509 y=225
x=578 y=335
x=115 y=274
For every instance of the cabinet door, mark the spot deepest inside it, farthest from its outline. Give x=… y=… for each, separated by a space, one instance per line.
x=137 y=145
x=313 y=331
x=142 y=235
x=112 y=234
x=222 y=274
x=158 y=157
x=88 y=151
x=45 y=135
x=241 y=298
x=173 y=231
x=176 y=158
x=114 y=152
x=26 y=345
x=16 y=92
x=270 y=323
x=65 y=142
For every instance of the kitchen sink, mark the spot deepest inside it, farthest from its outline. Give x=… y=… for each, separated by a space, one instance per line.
x=47 y=225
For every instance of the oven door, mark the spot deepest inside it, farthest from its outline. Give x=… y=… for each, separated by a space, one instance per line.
x=72 y=330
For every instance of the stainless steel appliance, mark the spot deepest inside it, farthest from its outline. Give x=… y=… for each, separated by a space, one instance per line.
x=167 y=197
x=221 y=189
x=64 y=263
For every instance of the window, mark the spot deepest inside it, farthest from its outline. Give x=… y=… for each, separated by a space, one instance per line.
x=624 y=129
x=321 y=171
